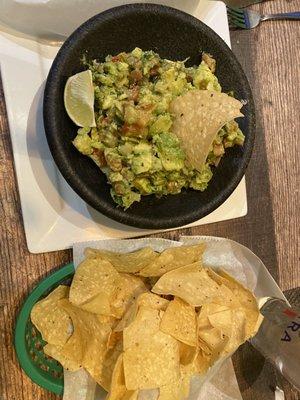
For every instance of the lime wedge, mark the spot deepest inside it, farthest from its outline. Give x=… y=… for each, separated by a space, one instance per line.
x=79 y=99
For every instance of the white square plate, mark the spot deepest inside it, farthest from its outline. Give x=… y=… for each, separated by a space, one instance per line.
x=53 y=214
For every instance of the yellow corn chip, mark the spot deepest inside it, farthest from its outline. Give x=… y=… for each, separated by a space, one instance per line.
x=94 y=286
x=51 y=319
x=172 y=391
x=152 y=362
x=144 y=326
x=172 y=258
x=114 y=350
x=127 y=291
x=130 y=395
x=127 y=318
x=238 y=331
x=117 y=387
x=248 y=302
x=153 y=301
x=221 y=317
x=57 y=353
x=107 y=320
x=180 y=388
x=187 y=354
x=179 y=321
x=244 y=300
x=191 y=283
x=125 y=262
x=88 y=343
x=198 y=117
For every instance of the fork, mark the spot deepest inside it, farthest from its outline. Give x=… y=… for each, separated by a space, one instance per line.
x=247 y=19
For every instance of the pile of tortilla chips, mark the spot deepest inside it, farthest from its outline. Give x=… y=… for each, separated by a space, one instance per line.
x=146 y=320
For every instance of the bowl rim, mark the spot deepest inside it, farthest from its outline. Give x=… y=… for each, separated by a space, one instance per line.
x=116 y=213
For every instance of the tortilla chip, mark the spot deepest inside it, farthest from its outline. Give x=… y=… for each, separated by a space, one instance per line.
x=202 y=362
x=113 y=339
x=244 y=300
x=145 y=325
x=220 y=317
x=88 y=343
x=238 y=331
x=198 y=117
x=127 y=318
x=127 y=291
x=172 y=391
x=179 y=321
x=114 y=350
x=117 y=387
x=153 y=362
x=191 y=283
x=94 y=286
x=125 y=262
x=215 y=340
x=153 y=301
x=204 y=348
x=172 y=258
x=52 y=321
x=57 y=353
x=187 y=354
x=214 y=330
x=180 y=388
x=107 y=320
x=131 y=395
x=247 y=300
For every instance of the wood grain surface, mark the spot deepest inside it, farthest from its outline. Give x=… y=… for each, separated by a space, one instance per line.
x=270 y=57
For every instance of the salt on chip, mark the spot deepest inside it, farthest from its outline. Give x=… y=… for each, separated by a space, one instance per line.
x=191 y=283
x=128 y=289
x=51 y=319
x=94 y=285
x=172 y=258
x=125 y=262
x=57 y=353
x=153 y=362
x=88 y=343
x=198 y=115
x=179 y=321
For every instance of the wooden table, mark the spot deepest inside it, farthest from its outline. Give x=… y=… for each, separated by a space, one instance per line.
x=271 y=58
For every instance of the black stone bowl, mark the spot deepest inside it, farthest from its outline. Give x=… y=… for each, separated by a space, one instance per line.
x=174 y=35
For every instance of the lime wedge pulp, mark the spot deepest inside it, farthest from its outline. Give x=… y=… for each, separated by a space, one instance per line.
x=79 y=99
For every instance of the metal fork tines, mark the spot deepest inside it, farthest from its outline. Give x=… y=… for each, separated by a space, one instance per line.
x=247 y=19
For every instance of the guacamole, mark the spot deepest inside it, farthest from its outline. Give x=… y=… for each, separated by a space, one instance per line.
x=133 y=142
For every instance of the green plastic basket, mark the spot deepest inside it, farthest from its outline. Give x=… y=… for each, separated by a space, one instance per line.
x=42 y=369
